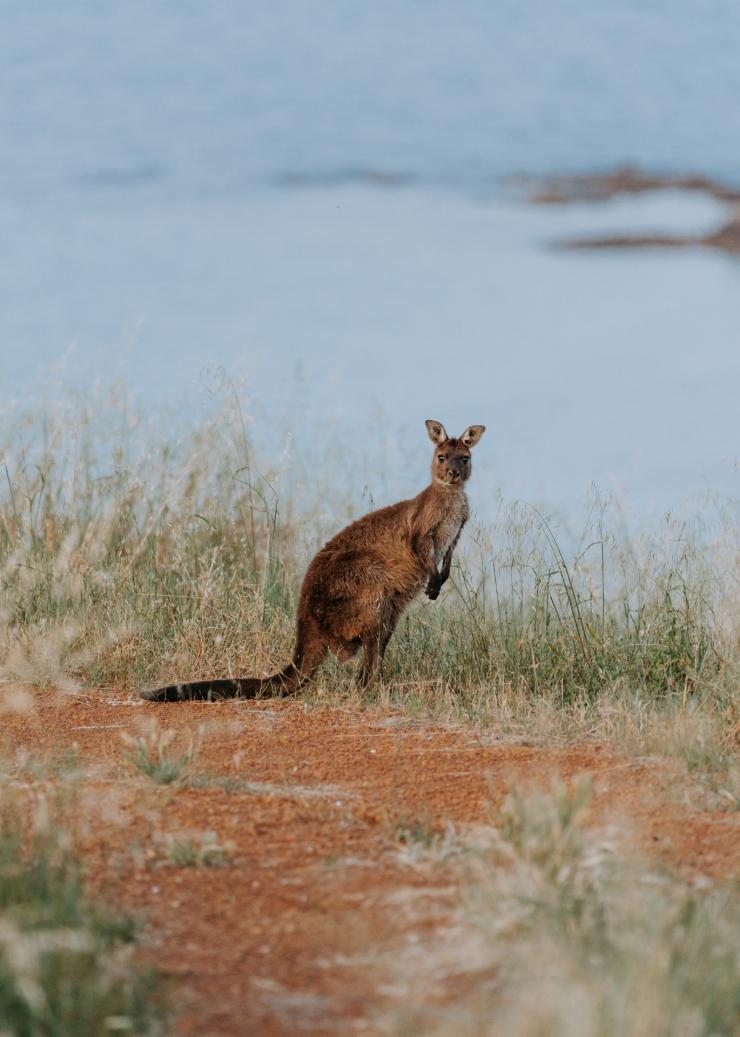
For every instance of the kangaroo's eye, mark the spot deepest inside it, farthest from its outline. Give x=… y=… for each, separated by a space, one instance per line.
x=464 y=460
x=441 y=457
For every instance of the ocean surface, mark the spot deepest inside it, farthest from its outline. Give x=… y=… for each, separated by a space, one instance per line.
x=317 y=198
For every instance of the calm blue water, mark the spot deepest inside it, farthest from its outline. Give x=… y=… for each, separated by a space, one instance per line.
x=310 y=194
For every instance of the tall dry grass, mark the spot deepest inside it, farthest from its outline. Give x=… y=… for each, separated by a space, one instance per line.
x=132 y=554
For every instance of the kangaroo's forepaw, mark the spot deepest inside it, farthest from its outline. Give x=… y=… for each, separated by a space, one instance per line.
x=433 y=589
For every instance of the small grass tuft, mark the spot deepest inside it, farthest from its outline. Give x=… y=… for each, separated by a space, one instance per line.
x=414 y=833
x=150 y=754
x=196 y=850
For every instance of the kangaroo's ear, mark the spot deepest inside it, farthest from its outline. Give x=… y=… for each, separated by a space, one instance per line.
x=437 y=432
x=472 y=435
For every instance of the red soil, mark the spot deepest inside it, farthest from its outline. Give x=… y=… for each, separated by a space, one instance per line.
x=283 y=939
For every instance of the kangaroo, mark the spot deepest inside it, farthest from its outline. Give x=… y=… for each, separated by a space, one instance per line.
x=357 y=586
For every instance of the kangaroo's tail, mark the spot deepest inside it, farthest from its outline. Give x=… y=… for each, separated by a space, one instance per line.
x=283 y=683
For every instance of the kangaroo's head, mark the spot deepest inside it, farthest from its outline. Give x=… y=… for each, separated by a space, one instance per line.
x=451 y=464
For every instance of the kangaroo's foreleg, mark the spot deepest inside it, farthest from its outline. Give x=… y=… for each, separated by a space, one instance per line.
x=447 y=562
x=434 y=586
x=425 y=550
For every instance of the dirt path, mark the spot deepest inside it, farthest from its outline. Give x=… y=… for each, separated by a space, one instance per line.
x=286 y=937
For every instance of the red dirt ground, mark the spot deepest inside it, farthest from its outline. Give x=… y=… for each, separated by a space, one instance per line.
x=285 y=938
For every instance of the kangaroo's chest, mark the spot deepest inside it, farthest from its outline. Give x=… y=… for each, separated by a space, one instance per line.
x=448 y=529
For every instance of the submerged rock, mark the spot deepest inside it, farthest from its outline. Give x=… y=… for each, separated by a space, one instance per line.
x=600 y=187
x=726 y=238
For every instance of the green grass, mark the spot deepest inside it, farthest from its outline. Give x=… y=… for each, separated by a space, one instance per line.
x=196 y=851
x=150 y=753
x=418 y=832
x=66 y=966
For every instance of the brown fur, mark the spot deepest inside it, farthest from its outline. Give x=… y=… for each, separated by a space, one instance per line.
x=357 y=586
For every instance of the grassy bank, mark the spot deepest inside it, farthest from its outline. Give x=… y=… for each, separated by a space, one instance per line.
x=130 y=556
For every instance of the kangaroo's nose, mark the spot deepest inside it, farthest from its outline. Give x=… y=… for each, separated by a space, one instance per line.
x=455 y=476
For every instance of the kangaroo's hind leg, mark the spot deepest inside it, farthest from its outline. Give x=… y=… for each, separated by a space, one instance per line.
x=347 y=650
x=375 y=641
x=371 y=663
